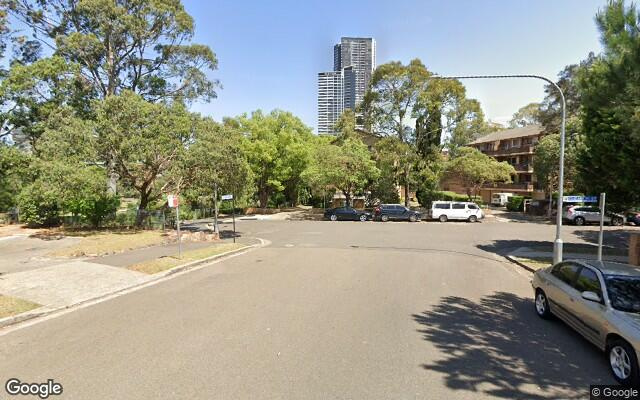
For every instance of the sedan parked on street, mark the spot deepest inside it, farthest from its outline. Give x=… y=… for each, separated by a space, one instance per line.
x=600 y=300
x=396 y=212
x=580 y=215
x=346 y=214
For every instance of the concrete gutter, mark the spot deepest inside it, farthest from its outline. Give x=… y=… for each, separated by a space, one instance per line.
x=45 y=311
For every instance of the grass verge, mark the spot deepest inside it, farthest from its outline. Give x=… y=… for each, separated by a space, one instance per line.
x=165 y=263
x=104 y=243
x=535 y=263
x=11 y=306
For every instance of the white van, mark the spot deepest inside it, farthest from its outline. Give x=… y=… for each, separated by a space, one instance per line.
x=500 y=199
x=457 y=210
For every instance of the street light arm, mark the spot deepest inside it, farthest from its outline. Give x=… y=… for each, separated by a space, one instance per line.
x=557 y=244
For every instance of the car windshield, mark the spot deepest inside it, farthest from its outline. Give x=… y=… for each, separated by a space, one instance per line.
x=624 y=292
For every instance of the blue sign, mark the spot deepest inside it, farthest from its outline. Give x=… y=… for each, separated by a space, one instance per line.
x=579 y=199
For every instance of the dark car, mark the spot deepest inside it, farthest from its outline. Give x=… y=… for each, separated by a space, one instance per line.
x=634 y=218
x=397 y=212
x=346 y=214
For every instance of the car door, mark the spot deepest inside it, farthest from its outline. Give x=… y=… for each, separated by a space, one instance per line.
x=341 y=213
x=560 y=290
x=403 y=213
x=593 y=214
x=458 y=211
x=590 y=314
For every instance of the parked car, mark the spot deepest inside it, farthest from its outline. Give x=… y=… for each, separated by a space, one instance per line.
x=347 y=214
x=634 y=218
x=600 y=300
x=398 y=212
x=500 y=199
x=580 y=215
x=446 y=210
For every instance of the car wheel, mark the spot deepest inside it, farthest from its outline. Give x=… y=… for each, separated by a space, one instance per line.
x=623 y=362
x=363 y=218
x=473 y=218
x=384 y=218
x=412 y=218
x=578 y=221
x=617 y=221
x=333 y=217
x=443 y=218
x=542 y=305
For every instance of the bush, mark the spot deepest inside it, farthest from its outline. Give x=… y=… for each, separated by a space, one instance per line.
x=95 y=209
x=515 y=203
x=425 y=198
x=39 y=207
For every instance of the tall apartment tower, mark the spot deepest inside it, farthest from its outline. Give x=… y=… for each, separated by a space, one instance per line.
x=354 y=60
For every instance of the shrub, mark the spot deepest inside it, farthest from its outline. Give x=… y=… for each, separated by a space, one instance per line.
x=515 y=203
x=38 y=206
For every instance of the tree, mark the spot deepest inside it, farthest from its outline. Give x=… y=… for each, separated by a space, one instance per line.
x=610 y=94
x=30 y=93
x=277 y=147
x=387 y=106
x=137 y=45
x=14 y=174
x=394 y=90
x=526 y=115
x=475 y=169
x=143 y=141
x=347 y=167
x=214 y=163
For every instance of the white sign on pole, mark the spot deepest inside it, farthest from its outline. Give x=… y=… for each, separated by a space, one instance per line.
x=227 y=197
x=172 y=200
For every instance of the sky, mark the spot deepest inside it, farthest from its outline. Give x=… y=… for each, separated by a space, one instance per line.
x=270 y=52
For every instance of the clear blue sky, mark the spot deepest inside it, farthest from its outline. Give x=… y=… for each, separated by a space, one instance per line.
x=271 y=51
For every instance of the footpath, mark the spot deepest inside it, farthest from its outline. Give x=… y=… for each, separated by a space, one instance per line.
x=69 y=282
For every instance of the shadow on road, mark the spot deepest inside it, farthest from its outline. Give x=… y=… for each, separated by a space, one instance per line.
x=507 y=246
x=617 y=238
x=498 y=346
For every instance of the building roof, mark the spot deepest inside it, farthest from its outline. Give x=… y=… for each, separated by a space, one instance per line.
x=529 y=130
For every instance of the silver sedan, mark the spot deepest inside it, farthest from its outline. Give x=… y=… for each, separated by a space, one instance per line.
x=600 y=300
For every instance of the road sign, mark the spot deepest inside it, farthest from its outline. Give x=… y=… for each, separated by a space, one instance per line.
x=579 y=199
x=227 y=197
x=172 y=200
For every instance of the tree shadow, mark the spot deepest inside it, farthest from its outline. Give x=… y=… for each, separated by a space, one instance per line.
x=498 y=346
x=618 y=238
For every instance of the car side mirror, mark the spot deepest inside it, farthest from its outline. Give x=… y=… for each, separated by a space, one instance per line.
x=591 y=296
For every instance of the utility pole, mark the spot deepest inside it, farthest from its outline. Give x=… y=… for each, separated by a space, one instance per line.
x=600 y=235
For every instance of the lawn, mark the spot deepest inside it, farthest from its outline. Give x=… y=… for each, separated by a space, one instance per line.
x=99 y=243
x=165 y=263
x=11 y=306
x=534 y=263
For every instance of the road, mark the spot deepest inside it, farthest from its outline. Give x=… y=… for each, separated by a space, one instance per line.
x=343 y=310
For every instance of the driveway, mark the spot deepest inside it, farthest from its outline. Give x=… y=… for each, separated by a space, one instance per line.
x=343 y=310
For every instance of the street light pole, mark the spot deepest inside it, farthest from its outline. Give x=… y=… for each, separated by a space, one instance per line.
x=557 y=244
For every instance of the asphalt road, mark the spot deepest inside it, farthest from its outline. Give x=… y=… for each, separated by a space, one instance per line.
x=343 y=310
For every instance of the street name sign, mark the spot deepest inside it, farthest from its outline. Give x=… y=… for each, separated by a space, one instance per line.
x=580 y=199
x=227 y=197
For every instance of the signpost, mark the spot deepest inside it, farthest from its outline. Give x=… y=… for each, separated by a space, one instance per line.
x=174 y=202
x=233 y=205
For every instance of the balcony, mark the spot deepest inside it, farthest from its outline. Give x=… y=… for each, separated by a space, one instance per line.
x=526 y=149
x=523 y=168
x=524 y=186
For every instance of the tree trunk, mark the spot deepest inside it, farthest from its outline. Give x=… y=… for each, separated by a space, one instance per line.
x=347 y=198
x=264 y=197
x=142 y=208
x=406 y=186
